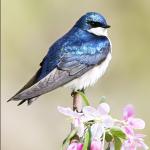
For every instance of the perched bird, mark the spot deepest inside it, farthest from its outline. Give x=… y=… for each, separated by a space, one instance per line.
x=75 y=60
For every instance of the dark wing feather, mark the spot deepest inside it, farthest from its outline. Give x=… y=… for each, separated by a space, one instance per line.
x=31 y=82
x=52 y=81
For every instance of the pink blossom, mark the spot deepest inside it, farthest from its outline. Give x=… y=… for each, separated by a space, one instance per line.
x=128 y=112
x=76 y=118
x=68 y=112
x=136 y=123
x=130 y=120
x=91 y=113
x=97 y=131
x=134 y=142
x=75 y=146
x=100 y=121
x=100 y=116
x=96 y=145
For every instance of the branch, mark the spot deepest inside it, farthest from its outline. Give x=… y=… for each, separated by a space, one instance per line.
x=77 y=101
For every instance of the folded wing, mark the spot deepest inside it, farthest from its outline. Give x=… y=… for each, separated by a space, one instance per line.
x=57 y=68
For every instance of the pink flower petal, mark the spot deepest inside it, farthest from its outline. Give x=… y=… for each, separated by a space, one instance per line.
x=77 y=123
x=128 y=130
x=67 y=111
x=136 y=123
x=140 y=135
x=96 y=145
x=80 y=146
x=128 y=112
x=128 y=145
x=134 y=142
x=103 y=108
x=81 y=130
x=139 y=142
x=97 y=130
x=89 y=112
x=75 y=146
x=107 y=121
x=142 y=145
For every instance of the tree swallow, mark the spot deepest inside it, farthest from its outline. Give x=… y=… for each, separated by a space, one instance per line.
x=76 y=60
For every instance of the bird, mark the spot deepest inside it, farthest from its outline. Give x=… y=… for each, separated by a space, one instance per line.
x=76 y=60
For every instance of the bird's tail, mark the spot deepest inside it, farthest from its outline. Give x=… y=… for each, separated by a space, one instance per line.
x=29 y=101
x=31 y=82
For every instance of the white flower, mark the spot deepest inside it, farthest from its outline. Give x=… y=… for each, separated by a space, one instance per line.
x=76 y=118
x=100 y=116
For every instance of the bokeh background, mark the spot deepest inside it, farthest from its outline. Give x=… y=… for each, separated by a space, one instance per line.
x=29 y=27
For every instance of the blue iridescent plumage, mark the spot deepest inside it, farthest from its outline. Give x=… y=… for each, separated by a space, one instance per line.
x=76 y=45
x=70 y=57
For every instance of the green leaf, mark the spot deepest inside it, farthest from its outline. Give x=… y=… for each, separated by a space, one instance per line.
x=71 y=135
x=118 y=133
x=87 y=139
x=108 y=137
x=117 y=143
x=85 y=99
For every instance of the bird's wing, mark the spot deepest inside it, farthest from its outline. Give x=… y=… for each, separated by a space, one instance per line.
x=71 y=64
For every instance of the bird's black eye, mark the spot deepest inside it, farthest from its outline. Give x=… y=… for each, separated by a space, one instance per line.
x=95 y=24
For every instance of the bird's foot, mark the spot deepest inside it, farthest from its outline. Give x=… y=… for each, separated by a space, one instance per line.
x=75 y=92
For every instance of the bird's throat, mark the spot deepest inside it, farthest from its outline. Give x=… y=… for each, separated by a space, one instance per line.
x=98 y=31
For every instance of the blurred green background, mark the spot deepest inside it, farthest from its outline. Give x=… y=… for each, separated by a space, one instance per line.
x=29 y=27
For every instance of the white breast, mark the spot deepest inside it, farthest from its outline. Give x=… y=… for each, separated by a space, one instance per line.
x=91 y=76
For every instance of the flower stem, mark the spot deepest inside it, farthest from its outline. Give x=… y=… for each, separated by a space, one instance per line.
x=77 y=102
x=103 y=144
x=77 y=106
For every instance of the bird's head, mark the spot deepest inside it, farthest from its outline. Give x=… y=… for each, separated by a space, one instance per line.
x=94 y=23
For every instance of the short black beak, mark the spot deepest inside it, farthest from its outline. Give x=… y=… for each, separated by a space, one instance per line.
x=107 y=26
